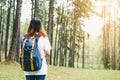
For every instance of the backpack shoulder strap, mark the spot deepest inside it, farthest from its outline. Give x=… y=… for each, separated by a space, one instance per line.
x=22 y=53
x=31 y=56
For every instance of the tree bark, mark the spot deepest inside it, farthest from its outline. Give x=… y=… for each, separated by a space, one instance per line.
x=114 y=51
x=55 y=51
x=83 y=53
x=119 y=49
x=50 y=24
x=36 y=9
x=106 y=43
x=15 y=34
x=7 y=28
x=32 y=9
x=2 y=19
x=0 y=32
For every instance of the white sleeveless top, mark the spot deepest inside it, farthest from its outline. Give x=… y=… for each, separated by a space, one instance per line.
x=43 y=45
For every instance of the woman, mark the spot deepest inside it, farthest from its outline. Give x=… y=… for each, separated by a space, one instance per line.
x=36 y=30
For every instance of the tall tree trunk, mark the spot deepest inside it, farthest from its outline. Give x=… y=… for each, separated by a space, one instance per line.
x=83 y=53
x=15 y=35
x=70 y=50
x=73 y=35
x=50 y=24
x=36 y=9
x=14 y=10
x=2 y=42
x=114 y=52
x=61 y=55
x=106 y=54
x=7 y=28
x=17 y=50
x=115 y=41
x=32 y=9
x=106 y=45
x=66 y=42
x=119 y=49
x=73 y=52
x=56 y=43
x=0 y=32
x=72 y=46
x=62 y=39
x=119 y=43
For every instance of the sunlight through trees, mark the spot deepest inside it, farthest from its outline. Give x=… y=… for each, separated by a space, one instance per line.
x=83 y=33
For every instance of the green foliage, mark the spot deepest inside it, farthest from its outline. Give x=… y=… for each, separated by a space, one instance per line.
x=82 y=8
x=23 y=28
x=2 y=2
x=69 y=24
x=43 y=12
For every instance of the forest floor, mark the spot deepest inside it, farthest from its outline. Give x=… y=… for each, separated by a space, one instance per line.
x=14 y=72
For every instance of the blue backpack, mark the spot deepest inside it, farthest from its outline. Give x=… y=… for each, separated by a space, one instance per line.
x=30 y=58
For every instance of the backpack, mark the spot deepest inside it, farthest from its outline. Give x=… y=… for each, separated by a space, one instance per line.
x=30 y=59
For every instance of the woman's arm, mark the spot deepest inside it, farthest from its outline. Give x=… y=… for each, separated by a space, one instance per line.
x=47 y=54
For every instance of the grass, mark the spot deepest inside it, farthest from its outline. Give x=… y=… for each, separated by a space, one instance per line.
x=11 y=72
x=14 y=72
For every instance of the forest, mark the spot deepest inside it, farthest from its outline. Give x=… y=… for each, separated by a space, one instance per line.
x=83 y=33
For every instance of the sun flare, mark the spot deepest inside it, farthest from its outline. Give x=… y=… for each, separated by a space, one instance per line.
x=93 y=26
x=110 y=11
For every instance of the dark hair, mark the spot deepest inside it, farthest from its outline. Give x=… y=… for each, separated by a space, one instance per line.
x=35 y=25
x=35 y=29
